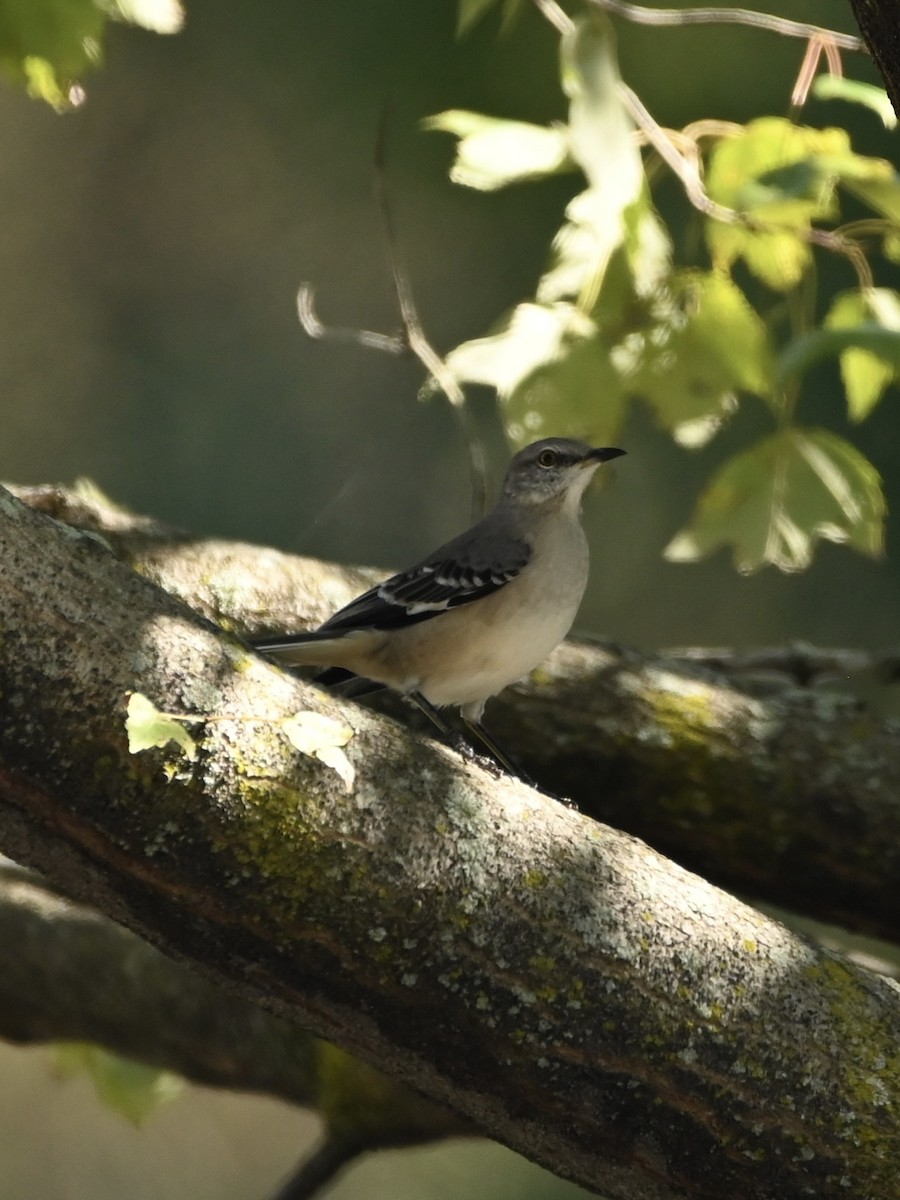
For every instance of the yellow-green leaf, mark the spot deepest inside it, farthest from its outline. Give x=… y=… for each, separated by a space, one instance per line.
x=147 y=727
x=866 y=373
x=783 y=176
x=552 y=373
x=772 y=502
x=323 y=738
x=131 y=1089
x=836 y=87
x=492 y=153
x=708 y=344
x=578 y=393
x=49 y=46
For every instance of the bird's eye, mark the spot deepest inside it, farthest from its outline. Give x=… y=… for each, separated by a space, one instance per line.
x=548 y=458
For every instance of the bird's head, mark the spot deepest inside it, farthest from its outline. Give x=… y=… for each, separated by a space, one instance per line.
x=553 y=471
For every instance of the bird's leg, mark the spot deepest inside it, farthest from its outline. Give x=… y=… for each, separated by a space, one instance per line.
x=451 y=735
x=479 y=731
x=432 y=714
x=459 y=743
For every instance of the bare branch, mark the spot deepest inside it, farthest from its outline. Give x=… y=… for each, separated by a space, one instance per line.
x=314 y=328
x=641 y=15
x=415 y=334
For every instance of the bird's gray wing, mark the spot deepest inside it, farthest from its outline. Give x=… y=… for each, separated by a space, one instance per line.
x=474 y=565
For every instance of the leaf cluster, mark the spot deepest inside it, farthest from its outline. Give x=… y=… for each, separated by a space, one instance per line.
x=48 y=46
x=622 y=314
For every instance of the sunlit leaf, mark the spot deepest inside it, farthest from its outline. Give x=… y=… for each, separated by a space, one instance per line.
x=551 y=371
x=780 y=258
x=865 y=373
x=835 y=87
x=772 y=502
x=578 y=393
x=147 y=727
x=323 y=738
x=601 y=140
x=158 y=16
x=633 y=272
x=892 y=247
x=492 y=153
x=708 y=344
x=50 y=46
x=131 y=1089
x=783 y=177
x=805 y=351
x=530 y=338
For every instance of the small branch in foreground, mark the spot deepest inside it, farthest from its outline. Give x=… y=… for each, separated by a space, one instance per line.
x=320 y=1167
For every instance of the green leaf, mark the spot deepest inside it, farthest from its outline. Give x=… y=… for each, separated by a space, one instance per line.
x=552 y=373
x=131 y=1089
x=772 y=502
x=492 y=153
x=579 y=392
x=783 y=177
x=835 y=87
x=804 y=352
x=708 y=344
x=49 y=46
x=321 y=737
x=147 y=727
x=865 y=373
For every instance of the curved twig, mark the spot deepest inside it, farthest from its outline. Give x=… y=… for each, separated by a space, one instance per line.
x=640 y=15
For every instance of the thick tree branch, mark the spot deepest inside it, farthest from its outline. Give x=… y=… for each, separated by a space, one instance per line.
x=879 y=23
x=758 y=773
x=70 y=974
x=555 y=982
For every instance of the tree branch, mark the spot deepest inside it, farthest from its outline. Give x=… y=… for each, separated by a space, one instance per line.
x=555 y=982
x=70 y=974
x=774 y=774
x=879 y=23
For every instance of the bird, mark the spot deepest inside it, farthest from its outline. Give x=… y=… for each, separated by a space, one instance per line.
x=479 y=612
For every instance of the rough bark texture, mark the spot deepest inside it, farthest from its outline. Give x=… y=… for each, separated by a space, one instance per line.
x=70 y=974
x=879 y=23
x=555 y=982
x=755 y=771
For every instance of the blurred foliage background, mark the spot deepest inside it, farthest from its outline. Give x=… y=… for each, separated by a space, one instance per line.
x=152 y=242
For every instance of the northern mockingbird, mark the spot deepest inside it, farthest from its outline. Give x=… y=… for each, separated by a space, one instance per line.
x=481 y=611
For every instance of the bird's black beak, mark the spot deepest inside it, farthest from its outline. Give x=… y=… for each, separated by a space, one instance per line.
x=604 y=454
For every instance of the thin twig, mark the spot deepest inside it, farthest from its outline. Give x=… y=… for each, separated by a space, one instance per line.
x=415 y=334
x=730 y=16
x=688 y=171
x=555 y=15
x=314 y=328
